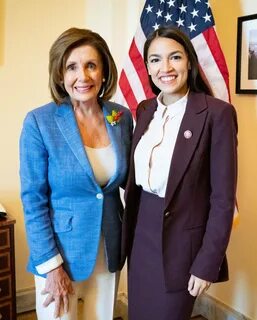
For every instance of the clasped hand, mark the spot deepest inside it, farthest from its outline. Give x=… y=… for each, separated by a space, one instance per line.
x=196 y=286
x=58 y=287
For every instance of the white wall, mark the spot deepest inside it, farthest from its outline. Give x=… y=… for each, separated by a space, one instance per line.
x=28 y=28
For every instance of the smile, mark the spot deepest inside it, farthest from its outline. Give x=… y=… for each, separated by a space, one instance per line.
x=168 y=78
x=83 y=88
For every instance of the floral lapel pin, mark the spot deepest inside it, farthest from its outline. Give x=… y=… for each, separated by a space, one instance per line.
x=114 y=117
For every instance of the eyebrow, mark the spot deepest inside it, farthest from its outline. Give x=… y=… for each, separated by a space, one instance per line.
x=74 y=62
x=159 y=55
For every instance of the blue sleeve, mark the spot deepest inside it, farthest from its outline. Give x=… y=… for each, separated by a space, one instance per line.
x=34 y=192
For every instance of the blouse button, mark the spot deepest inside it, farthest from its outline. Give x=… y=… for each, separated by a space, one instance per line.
x=99 y=196
x=167 y=213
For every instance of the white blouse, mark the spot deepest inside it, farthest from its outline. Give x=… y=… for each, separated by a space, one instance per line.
x=154 y=151
x=103 y=163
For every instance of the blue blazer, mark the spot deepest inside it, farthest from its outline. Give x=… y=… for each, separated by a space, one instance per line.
x=65 y=209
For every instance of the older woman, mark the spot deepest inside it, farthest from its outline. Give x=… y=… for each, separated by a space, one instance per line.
x=73 y=159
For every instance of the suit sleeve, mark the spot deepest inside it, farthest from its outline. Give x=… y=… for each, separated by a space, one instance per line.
x=127 y=139
x=223 y=177
x=34 y=192
x=139 y=110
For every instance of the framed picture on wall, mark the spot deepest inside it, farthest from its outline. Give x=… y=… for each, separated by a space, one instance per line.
x=246 y=63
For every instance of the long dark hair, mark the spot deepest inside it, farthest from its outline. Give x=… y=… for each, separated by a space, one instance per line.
x=195 y=80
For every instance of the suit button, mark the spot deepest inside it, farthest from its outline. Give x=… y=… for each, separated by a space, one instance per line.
x=99 y=196
x=167 y=214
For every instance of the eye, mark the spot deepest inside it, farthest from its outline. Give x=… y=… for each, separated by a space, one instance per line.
x=91 y=66
x=154 y=60
x=71 y=67
x=176 y=57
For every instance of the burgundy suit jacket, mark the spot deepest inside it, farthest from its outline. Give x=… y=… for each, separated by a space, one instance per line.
x=200 y=194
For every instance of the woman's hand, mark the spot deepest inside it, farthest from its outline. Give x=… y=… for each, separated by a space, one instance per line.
x=196 y=286
x=58 y=287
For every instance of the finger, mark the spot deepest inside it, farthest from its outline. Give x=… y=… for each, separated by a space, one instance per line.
x=44 y=291
x=203 y=286
x=191 y=283
x=208 y=286
x=65 y=304
x=71 y=290
x=48 y=300
x=57 y=307
x=193 y=292
x=195 y=289
x=200 y=291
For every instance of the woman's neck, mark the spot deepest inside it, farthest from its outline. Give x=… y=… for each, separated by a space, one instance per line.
x=168 y=99
x=87 y=109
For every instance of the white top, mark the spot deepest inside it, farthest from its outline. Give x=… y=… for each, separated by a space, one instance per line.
x=154 y=151
x=103 y=163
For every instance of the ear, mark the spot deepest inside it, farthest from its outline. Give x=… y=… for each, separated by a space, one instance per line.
x=189 y=66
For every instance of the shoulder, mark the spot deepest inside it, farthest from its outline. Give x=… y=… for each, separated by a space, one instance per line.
x=45 y=111
x=145 y=105
x=214 y=106
x=219 y=111
x=218 y=105
x=40 y=117
x=46 y=108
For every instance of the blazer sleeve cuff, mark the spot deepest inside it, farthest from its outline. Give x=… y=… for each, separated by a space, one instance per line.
x=50 y=264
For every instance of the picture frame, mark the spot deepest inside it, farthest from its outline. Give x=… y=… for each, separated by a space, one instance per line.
x=246 y=57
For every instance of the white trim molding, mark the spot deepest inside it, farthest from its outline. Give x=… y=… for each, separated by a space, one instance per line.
x=207 y=306
x=25 y=301
x=213 y=309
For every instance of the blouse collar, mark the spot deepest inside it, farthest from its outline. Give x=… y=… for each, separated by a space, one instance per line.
x=172 y=109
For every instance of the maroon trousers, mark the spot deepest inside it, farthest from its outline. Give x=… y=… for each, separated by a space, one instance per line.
x=148 y=298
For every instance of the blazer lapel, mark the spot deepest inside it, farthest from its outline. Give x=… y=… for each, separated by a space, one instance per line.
x=145 y=118
x=142 y=124
x=67 y=124
x=193 y=122
x=114 y=133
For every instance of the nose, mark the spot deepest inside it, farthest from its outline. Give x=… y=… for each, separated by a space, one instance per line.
x=166 y=65
x=83 y=74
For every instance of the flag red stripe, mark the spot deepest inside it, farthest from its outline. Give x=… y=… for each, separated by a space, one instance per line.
x=214 y=45
x=138 y=62
x=128 y=92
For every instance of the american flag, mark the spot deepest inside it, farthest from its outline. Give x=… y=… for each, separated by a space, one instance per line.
x=195 y=18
